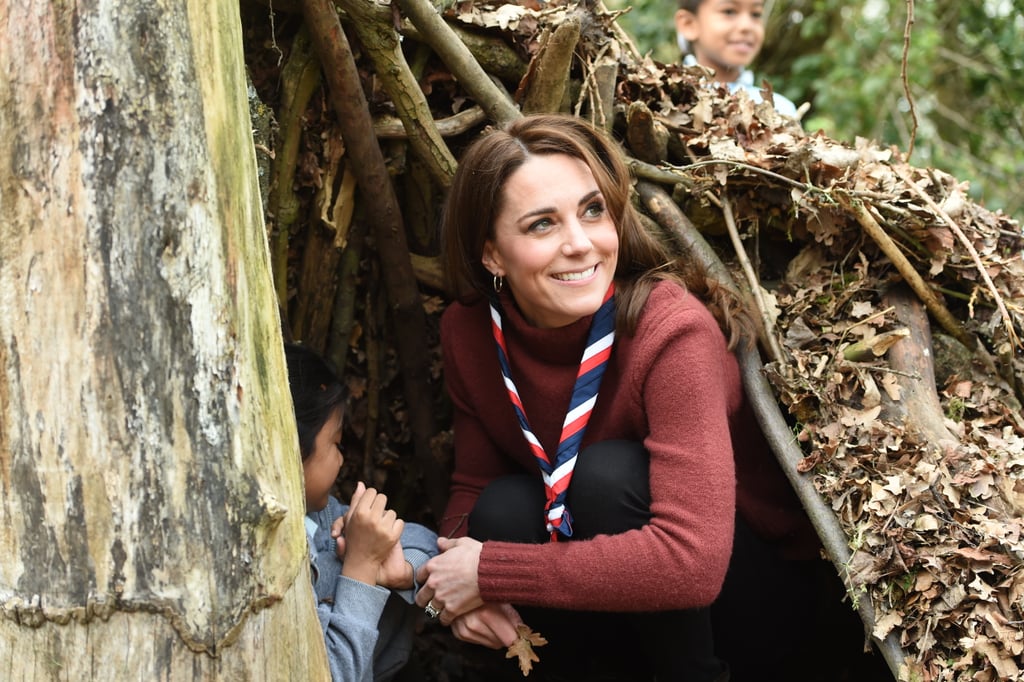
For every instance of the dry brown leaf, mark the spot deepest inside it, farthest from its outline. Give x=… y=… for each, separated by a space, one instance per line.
x=526 y=640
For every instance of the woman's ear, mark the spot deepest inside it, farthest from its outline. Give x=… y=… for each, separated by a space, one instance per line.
x=490 y=259
x=687 y=25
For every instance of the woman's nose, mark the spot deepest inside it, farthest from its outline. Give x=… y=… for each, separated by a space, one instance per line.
x=576 y=241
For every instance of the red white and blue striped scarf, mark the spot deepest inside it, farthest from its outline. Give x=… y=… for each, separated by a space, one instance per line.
x=557 y=472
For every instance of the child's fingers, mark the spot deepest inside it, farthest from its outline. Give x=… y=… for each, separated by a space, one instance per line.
x=357 y=494
x=338 y=527
x=396 y=530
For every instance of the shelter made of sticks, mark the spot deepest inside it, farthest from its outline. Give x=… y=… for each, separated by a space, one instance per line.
x=888 y=374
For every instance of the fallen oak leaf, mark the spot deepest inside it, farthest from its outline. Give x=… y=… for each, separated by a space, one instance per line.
x=526 y=640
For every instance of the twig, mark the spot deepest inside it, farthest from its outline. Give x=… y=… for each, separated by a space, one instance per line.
x=599 y=86
x=459 y=60
x=903 y=75
x=380 y=43
x=982 y=270
x=908 y=272
x=620 y=34
x=771 y=341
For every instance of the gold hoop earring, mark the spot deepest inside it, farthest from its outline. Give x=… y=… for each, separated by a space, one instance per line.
x=498 y=283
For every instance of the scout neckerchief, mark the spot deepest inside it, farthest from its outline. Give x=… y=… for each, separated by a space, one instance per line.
x=558 y=473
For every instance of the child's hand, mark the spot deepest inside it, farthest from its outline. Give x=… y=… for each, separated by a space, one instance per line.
x=338 y=527
x=371 y=533
x=395 y=573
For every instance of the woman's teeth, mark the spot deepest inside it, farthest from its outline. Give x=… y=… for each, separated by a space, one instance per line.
x=573 y=276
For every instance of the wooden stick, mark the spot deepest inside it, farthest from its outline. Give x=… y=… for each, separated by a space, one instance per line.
x=647 y=138
x=907 y=271
x=372 y=23
x=384 y=215
x=300 y=78
x=459 y=60
x=390 y=128
x=548 y=75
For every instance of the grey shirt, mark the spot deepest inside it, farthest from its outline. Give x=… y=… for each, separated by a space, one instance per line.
x=368 y=629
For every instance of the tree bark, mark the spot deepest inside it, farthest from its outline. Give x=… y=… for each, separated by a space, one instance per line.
x=151 y=507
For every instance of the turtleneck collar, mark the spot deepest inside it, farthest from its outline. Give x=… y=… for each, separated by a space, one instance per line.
x=559 y=345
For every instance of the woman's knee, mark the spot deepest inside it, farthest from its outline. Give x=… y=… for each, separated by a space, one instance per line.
x=610 y=491
x=510 y=509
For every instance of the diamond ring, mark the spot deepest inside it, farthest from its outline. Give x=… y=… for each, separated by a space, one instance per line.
x=432 y=611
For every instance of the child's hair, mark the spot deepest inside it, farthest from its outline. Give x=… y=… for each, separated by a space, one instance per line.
x=690 y=6
x=316 y=393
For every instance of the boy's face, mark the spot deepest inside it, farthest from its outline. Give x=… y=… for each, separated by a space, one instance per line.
x=726 y=35
x=321 y=468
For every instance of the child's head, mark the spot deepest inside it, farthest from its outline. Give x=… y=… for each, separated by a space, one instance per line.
x=319 y=397
x=724 y=35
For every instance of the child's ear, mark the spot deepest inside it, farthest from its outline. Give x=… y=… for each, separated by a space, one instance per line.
x=687 y=25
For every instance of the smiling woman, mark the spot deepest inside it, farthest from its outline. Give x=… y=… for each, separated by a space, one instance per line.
x=554 y=241
x=596 y=400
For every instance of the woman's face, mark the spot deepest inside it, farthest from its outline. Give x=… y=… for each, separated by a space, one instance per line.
x=554 y=241
x=321 y=468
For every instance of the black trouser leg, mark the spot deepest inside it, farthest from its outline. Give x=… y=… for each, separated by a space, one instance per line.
x=765 y=610
x=609 y=494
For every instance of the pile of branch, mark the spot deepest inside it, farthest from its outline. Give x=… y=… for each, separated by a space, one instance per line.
x=890 y=302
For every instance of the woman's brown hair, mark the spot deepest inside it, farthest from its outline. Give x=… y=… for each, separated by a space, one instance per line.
x=477 y=194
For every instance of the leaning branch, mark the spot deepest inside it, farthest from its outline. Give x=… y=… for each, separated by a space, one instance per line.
x=383 y=212
x=380 y=43
x=908 y=271
x=459 y=60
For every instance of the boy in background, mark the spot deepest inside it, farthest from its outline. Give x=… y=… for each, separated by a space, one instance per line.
x=726 y=36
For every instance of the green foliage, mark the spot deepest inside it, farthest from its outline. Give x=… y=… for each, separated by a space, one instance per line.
x=965 y=72
x=652 y=27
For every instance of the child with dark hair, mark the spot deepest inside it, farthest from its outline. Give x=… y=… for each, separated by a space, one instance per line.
x=725 y=36
x=364 y=558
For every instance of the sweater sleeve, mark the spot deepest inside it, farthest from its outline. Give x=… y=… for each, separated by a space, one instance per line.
x=682 y=385
x=419 y=544
x=350 y=629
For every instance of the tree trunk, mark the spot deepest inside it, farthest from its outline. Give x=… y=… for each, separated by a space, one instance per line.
x=150 y=492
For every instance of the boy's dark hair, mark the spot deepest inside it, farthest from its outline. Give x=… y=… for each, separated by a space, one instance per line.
x=690 y=5
x=316 y=393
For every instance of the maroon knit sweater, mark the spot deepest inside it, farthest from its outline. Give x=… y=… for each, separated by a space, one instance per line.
x=672 y=386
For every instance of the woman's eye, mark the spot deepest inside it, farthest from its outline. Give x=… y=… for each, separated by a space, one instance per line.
x=539 y=226
x=595 y=209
